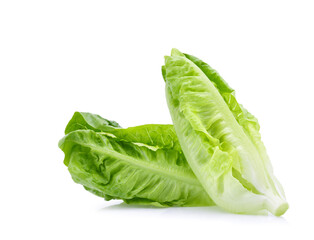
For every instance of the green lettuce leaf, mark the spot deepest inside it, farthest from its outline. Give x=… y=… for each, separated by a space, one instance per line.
x=155 y=135
x=140 y=165
x=220 y=139
x=85 y=120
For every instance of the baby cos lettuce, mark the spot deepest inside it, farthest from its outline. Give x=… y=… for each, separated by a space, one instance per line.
x=212 y=155
x=140 y=165
x=219 y=138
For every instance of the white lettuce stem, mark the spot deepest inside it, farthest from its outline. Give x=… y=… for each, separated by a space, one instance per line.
x=276 y=205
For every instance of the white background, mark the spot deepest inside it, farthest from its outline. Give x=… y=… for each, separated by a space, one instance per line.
x=104 y=57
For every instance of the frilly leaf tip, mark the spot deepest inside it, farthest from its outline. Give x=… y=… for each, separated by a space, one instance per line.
x=176 y=52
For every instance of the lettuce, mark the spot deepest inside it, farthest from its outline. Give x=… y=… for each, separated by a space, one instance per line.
x=140 y=165
x=213 y=154
x=220 y=138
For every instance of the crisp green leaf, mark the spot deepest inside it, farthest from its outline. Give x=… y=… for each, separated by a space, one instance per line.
x=244 y=118
x=219 y=138
x=154 y=135
x=84 y=120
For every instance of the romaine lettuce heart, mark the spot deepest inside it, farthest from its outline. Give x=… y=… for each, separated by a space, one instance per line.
x=140 y=165
x=220 y=139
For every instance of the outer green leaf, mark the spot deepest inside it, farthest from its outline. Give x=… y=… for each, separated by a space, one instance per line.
x=154 y=135
x=127 y=168
x=84 y=120
x=220 y=138
x=244 y=118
